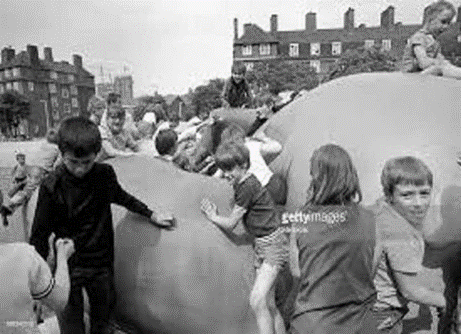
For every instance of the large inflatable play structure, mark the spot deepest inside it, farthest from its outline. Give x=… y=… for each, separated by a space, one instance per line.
x=197 y=279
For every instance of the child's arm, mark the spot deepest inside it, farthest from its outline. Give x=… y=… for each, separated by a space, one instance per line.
x=269 y=145
x=227 y=223
x=225 y=94
x=423 y=60
x=111 y=151
x=131 y=143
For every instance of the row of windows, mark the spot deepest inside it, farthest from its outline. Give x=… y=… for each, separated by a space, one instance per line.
x=315 y=63
x=64 y=91
x=55 y=103
x=16 y=72
x=17 y=86
x=336 y=48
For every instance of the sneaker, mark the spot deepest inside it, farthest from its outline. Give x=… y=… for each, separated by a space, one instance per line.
x=5 y=212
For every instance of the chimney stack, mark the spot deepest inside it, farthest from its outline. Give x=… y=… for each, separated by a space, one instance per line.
x=387 y=18
x=48 y=54
x=311 y=21
x=7 y=54
x=236 y=29
x=246 y=28
x=458 y=17
x=274 y=24
x=33 y=54
x=77 y=61
x=349 y=19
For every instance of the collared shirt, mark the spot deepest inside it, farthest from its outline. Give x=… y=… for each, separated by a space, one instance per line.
x=402 y=250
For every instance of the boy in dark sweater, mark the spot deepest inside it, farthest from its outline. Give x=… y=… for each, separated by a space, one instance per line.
x=74 y=202
x=236 y=92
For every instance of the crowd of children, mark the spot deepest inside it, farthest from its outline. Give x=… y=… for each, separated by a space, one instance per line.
x=356 y=270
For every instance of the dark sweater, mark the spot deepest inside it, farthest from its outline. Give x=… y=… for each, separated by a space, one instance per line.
x=80 y=209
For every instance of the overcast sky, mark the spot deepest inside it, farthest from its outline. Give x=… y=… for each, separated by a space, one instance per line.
x=169 y=45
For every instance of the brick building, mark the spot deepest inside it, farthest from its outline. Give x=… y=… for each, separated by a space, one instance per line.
x=319 y=47
x=55 y=89
x=123 y=85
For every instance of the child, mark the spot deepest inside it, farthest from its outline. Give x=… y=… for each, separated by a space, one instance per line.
x=74 y=201
x=407 y=186
x=236 y=92
x=336 y=240
x=18 y=174
x=255 y=206
x=259 y=146
x=423 y=51
x=166 y=144
x=116 y=140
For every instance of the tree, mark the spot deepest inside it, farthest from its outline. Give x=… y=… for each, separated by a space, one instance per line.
x=149 y=103
x=14 y=107
x=276 y=76
x=363 y=60
x=207 y=97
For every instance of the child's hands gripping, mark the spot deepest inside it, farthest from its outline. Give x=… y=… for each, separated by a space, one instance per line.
x=209 y=209
x=163 y=219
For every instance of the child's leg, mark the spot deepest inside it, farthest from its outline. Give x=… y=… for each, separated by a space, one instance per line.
x=259 y=298
x=451 y=71
x=71 y=319
x=432 y=70
x=279 y=323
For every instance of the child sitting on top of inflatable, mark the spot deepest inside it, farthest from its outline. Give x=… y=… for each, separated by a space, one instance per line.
x=18 y=174
x=116 y=140
x=255 y=206
x=237 y=92
x=423 y=52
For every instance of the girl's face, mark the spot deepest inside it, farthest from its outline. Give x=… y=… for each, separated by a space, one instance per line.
x=440 y=23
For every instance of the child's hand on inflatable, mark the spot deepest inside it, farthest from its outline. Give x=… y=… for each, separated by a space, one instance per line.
x=164 y=220
x=66 y=247
x=209 y=208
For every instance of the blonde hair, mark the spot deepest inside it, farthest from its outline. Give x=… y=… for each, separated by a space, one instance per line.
x=435 y=8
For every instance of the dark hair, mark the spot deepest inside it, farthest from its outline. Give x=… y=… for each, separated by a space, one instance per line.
x=239 y=68
x=166 y=141
x=404 y=170
x=112 y=98
x=435 y=8
x=79 y=136
x=334 y=177
x=230 y=154
x=52 y=136
x=117 y=110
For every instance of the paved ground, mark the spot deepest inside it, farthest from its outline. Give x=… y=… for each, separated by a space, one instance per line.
x=421 y=320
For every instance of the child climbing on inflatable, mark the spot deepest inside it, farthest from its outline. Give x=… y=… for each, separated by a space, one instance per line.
x=423 y=52
x=255 y=206
x=18 y=174
x=237 y=92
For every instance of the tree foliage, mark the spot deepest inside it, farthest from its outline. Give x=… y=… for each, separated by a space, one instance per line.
x=207 y=97
x=14 y=107
x=276 y=77
x=150 y=103
x=363 y=60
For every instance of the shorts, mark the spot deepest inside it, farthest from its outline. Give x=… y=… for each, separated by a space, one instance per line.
x=390 y=321
x=273 y=249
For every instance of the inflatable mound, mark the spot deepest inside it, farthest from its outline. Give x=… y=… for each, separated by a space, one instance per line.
x=196 y=279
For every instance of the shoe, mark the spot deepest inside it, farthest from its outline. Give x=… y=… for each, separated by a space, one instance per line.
x=5 y=212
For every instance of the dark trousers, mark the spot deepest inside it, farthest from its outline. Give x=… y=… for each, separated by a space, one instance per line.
x=277 y=188
x=452 y=278
x=99 y=286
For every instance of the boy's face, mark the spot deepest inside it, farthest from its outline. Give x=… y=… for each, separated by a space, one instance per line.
x=441 y=22
x=412 y=202
x=234 y=175
x=237 y=77
x=115 y=119
x=21 y=159
x=78 y=167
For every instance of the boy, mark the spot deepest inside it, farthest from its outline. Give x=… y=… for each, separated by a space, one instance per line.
x=407 y=185
x=236 y=92
x=18 y=174
x=166 y=144
x=116 y=140
x=254 y=205
x=74 y=202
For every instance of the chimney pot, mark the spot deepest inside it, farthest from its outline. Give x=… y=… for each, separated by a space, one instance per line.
x=311 y=21
x=236 y=29
x=349 y=19
x=48 y=54
x=274 y=24
x=78 y=61
x=32 y=50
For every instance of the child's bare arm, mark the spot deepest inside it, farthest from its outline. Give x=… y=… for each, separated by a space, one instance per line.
x=423 y=60
x=111 y=151
x=227 y=223
x=269 y=145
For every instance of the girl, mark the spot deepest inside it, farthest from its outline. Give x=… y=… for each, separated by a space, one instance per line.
x=254 y=204
x=423 y=52
x=336 y=241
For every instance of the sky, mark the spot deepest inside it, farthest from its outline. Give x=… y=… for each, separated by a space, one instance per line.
x=169 y=46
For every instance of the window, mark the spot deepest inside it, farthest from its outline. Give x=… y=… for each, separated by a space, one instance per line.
x=16 y=72
x=316 y=65
x=2 y=89
x=31 y=86
x=265 y=49
x=54 y=75
x=67 y=108
x=369 y=43
x=336 y=48
x=249 y=66
x=246 y=50
x=74 y=102
x=53 y=88
x=73 y=90
x=315 y=49
x=459 y=38
x=9 y=86
x=386 y=45
x=7 y=74
x=16 y=86
x=71 y=78
x=65 y=93
x=294 y=50
x=54 y=102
